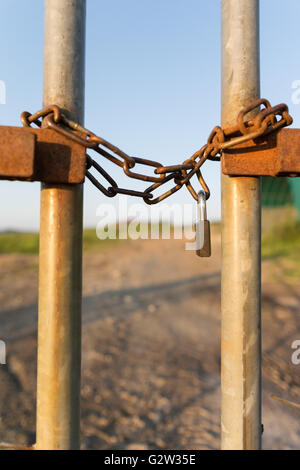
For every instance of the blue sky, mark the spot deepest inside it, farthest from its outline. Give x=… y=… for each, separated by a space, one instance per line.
x=152 y=83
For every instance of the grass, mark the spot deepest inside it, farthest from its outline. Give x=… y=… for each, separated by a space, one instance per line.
x=284 y=244
x=92 y=243
x=284 y=241
x=28 y=243
x=20 y=242
x=14 y=242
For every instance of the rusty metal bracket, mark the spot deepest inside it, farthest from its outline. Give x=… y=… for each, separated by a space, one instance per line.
x=276 y=154
x=28 y=154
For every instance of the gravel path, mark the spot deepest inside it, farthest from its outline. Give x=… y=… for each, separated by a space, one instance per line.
x=151 y=360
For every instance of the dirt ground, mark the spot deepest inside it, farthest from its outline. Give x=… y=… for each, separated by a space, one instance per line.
x=151 y=349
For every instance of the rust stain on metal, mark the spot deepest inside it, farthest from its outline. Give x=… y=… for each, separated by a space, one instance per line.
x=60 y=160
x=29 y=154
x=17 y=150
x=276 y=154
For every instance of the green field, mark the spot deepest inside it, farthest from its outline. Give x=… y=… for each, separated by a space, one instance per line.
x=283 y=247
x=21 y=242
x=28 y=243
x=18 y=242
x=282 y=242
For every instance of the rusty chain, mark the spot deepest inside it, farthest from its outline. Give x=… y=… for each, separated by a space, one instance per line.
x=268 y=119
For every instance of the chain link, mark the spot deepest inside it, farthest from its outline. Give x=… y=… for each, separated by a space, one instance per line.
x=269 y=119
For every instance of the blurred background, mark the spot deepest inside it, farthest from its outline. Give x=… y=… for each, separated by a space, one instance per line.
x=151 y=360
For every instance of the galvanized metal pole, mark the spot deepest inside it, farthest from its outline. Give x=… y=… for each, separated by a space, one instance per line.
x=60 y=278
x=241 y=240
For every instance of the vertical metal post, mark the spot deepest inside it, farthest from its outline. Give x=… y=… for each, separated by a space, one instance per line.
x=241 y=240
x=60 y=277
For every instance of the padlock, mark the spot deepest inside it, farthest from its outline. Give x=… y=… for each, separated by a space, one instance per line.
x=203 y=245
